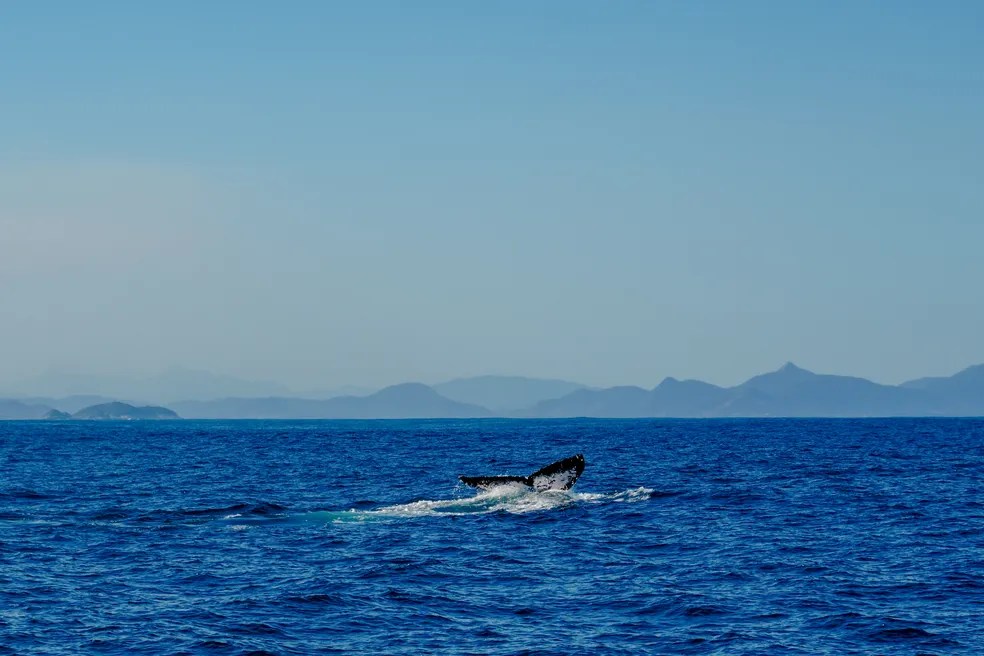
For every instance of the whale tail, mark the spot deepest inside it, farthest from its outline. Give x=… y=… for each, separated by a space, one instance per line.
x=560 y=475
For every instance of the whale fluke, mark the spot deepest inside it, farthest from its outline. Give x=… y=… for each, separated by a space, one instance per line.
x=560 y=475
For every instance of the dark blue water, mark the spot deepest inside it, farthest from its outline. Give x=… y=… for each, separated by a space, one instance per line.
x=682 y=537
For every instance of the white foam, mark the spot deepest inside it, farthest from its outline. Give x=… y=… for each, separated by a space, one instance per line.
x=516 y=499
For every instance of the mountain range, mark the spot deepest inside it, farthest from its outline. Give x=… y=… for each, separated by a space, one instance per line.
x=787 y=392
x=505 y=394
x=404 y=401
x=790 y=391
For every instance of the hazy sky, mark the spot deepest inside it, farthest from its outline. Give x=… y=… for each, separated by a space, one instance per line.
x=322 y=193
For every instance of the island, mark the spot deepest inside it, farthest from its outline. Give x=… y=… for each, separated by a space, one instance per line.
x=119 y=410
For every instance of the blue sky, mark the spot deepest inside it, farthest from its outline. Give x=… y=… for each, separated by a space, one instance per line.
x=326 y=193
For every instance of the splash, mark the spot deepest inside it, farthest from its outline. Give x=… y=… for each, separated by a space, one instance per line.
x=518 y=499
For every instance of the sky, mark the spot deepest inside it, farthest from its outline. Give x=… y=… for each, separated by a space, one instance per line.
x=364 y=193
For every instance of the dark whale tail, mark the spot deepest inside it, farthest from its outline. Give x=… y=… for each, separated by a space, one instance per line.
x=560 y=475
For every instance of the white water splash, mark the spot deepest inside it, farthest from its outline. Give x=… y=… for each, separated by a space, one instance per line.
x=514 y=499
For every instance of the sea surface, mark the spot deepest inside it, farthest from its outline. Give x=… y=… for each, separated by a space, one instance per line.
x=354 y=537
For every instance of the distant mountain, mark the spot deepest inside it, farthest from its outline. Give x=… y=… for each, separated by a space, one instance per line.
x=795 y=392
x=16 y=409
x=790 y=391
x=688 y=398
x=505 y=394
x=332 y=392
x=671 y=398
x=56 y=415
x=405 y=401
x=961 y=393
x=787 y=392
x=624 y=401
x=117 y=410
x=270 y=407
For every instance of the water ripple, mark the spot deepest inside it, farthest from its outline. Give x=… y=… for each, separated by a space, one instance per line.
x=682 y=537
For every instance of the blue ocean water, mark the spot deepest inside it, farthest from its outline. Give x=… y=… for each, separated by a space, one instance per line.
x=681 y=537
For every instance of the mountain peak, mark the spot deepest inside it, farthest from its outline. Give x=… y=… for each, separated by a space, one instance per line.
x=789 y=371
x=781 y=378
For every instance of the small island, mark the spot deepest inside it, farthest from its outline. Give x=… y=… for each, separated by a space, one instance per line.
x=117 y=410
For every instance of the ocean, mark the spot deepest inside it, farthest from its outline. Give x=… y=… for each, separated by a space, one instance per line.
x=354 y=537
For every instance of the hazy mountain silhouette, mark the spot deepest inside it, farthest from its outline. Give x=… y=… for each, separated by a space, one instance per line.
x=405 y=401
x=795 y=392
x=118 y=410
x=961 y=393
x=624 y=401
x=691 y=398
x=16 y=409
x=787 y=392
x=271 y=407
x=332 y=392
x=790 y=391
x=505 y=394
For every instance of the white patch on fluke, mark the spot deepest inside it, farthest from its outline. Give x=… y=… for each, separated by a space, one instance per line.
x=558 y=481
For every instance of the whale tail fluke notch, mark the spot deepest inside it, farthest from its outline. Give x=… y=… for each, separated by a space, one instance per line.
x=560 y=475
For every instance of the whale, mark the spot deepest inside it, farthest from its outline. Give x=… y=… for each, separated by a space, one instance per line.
x=560 y=475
